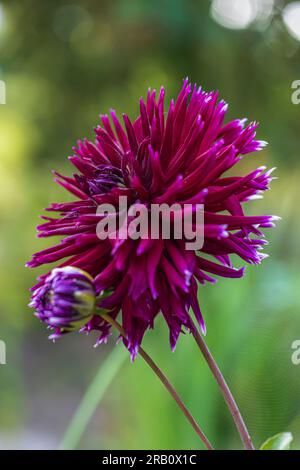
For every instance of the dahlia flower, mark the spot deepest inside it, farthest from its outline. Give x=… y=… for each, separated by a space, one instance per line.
x=65 y=301
x=174 y=156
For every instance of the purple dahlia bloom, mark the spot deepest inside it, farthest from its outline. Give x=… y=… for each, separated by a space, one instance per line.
x=65 y=301
x=174 y=156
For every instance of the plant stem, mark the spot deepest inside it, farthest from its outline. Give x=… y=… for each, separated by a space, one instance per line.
x=230 y=401
x=165 y=382
x=105 y=375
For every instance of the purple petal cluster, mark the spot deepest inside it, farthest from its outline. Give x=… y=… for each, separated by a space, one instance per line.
x=65 y=301
x=174 y=156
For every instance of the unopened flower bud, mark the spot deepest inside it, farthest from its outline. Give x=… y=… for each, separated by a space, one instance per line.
x=66 y=300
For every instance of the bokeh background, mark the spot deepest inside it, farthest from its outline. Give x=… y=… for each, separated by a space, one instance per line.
x=64 y=62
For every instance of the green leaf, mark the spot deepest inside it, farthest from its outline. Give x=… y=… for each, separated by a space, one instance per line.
x=280 y=441
x=93 y=396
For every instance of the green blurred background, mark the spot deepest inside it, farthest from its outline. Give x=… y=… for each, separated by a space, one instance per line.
x=64 y=62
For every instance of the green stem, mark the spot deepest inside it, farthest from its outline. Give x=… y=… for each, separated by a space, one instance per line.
x=105 y=375
x=165 y=382
x=229 y=399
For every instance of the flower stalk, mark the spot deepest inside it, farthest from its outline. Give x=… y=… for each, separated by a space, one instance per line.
x=229 y=399
x=161 y=376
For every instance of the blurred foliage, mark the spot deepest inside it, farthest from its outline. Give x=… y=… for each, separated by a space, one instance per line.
x=64 y=62
x=280 y=441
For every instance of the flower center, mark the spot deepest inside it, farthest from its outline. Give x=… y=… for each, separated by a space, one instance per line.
x=104 y=180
